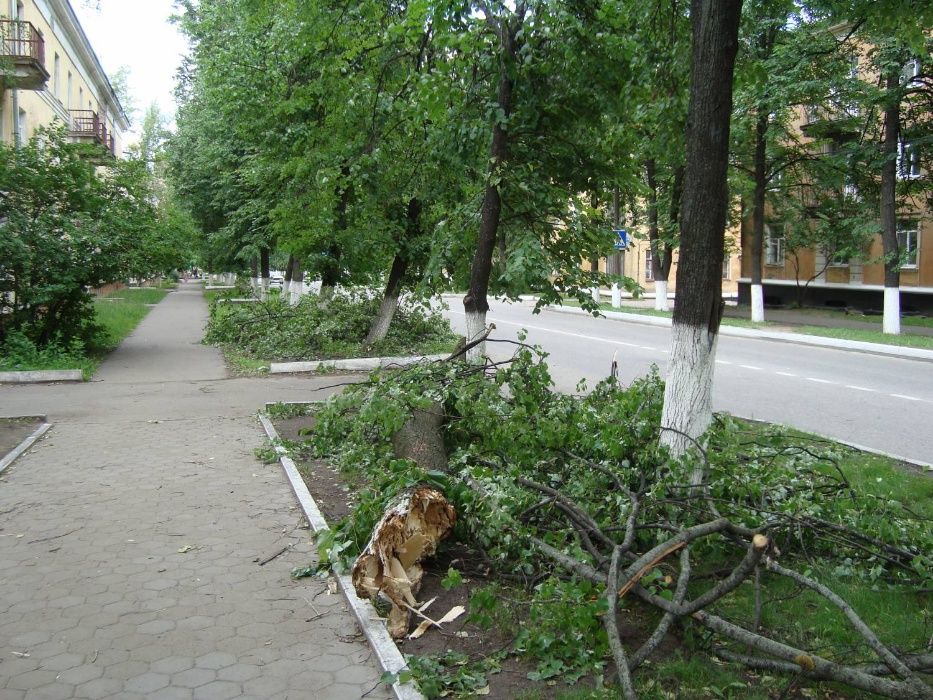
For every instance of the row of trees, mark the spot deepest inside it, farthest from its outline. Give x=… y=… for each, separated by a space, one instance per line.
x=491 y=145
x=68 y=226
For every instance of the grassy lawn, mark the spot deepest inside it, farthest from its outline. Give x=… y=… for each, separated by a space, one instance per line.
x=865 y=336
x=118 y=312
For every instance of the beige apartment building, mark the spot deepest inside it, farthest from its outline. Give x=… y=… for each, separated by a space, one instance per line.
x=818 y=279
x=52 y=75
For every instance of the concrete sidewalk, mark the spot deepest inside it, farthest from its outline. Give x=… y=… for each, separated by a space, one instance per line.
x=131 y=534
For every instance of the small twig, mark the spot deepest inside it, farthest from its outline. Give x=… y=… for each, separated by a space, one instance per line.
x=275 y=554
x=53 y=537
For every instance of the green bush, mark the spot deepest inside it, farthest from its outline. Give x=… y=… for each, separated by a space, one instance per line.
x=324 y=328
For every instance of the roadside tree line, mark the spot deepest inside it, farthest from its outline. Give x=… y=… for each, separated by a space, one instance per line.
x=492 y=146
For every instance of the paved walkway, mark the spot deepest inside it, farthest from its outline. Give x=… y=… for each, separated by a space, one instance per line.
x=130 y=536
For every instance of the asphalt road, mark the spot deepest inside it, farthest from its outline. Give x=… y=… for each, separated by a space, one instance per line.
x=879 y=402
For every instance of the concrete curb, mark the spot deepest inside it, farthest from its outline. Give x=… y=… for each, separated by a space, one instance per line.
x=44 y=375
x=364 y=364
x=798 y=338
x=24 y=445
x=387 y=653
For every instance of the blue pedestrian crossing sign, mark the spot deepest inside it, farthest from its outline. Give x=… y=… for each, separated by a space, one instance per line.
x=622 y=243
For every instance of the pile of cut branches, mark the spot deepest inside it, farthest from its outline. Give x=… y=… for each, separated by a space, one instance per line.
x=551 y=487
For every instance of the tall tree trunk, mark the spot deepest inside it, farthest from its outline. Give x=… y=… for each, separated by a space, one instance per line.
x=254 y=272
x=383 y=321
x=891 y=322
x=264 y=272
x=475 y=303
x=618 y=266
x=287 y=283
x=687 y=411
x=658 y=273
x=758 y=216
x=330 y=275
x=298 y=283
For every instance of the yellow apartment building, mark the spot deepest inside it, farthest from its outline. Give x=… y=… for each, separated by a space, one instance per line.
x=856 y=282
x=635 y=262
x=51 y=74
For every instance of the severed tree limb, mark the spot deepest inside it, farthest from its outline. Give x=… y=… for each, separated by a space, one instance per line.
x=922 y=663
x=814 y=666
x=753 y=555
x=885 y=654
x=469 y=346
x=633 y=579
x=680 y=592
x=612 y=629
x=571 y=508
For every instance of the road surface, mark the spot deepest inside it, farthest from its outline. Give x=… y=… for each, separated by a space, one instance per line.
x=883 y=403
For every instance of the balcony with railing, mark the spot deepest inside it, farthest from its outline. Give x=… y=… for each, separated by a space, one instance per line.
x=22 y=55
x=88 y=127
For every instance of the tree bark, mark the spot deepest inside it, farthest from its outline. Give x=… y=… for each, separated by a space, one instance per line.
x=287 y=284
x=758 y=216
x=687 y=411
x=475 y=303
x=264 y=272
x=400 y=264
x=254 y=271
x=891 y=322
x=298 y=283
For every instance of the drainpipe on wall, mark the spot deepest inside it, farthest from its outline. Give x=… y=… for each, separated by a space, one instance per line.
x=14 y=93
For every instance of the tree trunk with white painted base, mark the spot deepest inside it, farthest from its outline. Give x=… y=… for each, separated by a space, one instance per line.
x=891 y=322
x=287 y=282
x=296 y=289
x=661 y=250
x=379 y=328
x=758 y=216
x=687 y=411
x=475 y=303
x=758 y=303
x=264 y=273
x=660 y=296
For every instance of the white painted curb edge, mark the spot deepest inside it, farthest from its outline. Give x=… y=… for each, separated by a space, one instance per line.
x=23 y=446
x=45 y=375
x=358 y=363
x=799 y=338
x=387 y=653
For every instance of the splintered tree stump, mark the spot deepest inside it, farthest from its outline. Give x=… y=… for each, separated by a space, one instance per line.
x=408 y=532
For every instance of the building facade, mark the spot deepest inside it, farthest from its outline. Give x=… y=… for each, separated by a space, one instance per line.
x=815 y=277
x=51 y=75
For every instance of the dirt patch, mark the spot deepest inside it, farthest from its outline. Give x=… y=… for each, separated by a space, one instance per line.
x=14 y=430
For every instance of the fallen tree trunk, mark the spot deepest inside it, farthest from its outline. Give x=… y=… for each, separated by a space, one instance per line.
x=408 y=532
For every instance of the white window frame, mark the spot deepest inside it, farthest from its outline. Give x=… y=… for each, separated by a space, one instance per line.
x=774 y=248
x=649 y=267
x=908 y=161
x=910 y=70
x=909 y=230
x=727 y=267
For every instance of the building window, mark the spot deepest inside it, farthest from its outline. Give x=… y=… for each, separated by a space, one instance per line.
x=649 y=265
x=908 y=160
x=726 y=267
x=774 y=247
x=70 y=86
x=837 y=259
x=908 y=236
x=910 y=71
